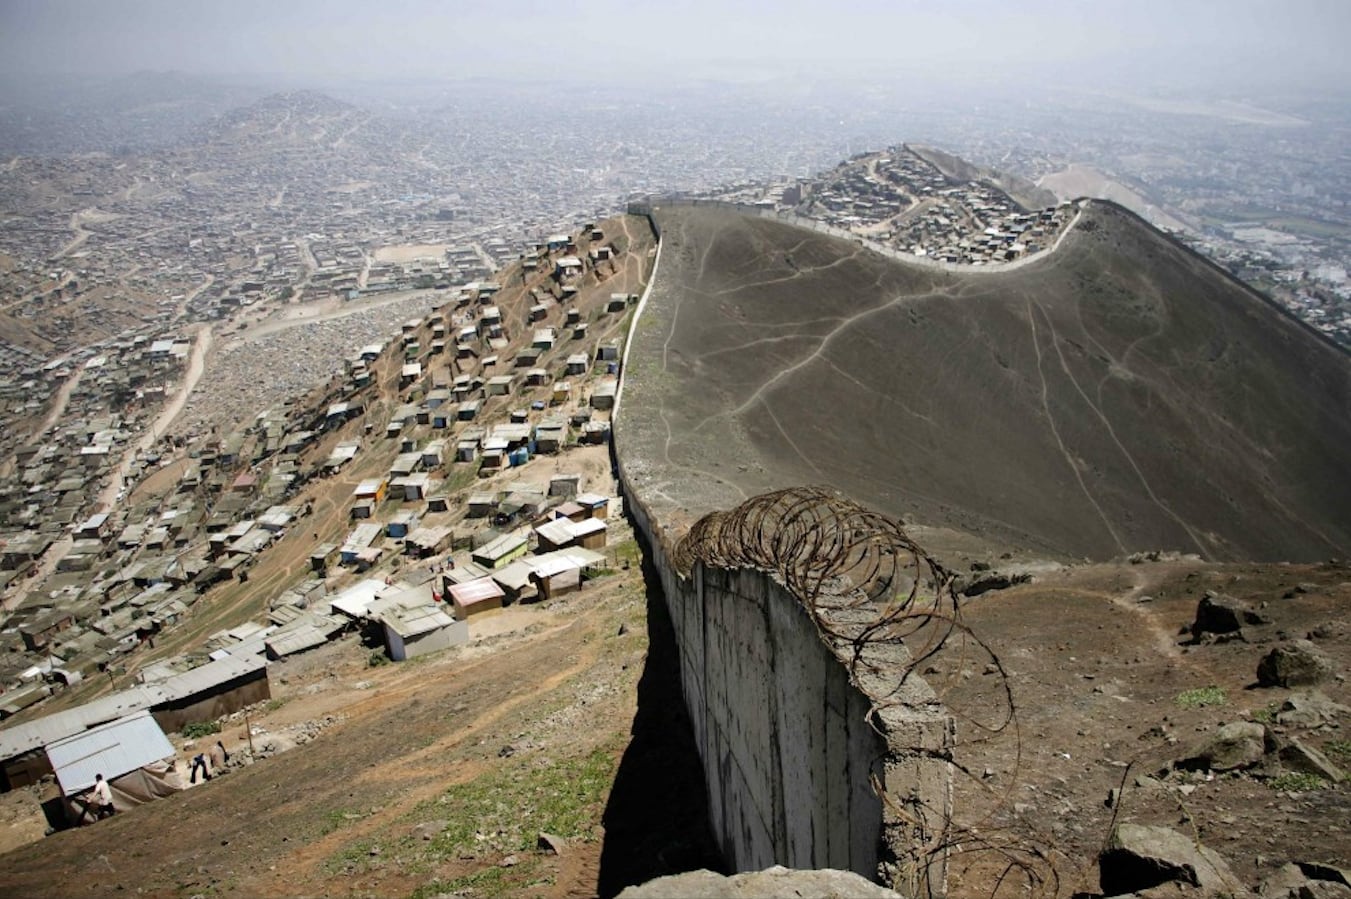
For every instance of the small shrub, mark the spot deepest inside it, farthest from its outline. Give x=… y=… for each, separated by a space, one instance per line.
x=1201 y=697
x=1266 y=715
x=1340 y=750
x=1297 y=782
x=377 y=659
x=200 y=729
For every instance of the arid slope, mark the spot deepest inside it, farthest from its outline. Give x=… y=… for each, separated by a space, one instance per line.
x=1117 y=394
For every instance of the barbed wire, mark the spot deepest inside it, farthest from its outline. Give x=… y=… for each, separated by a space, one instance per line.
x=888 y=609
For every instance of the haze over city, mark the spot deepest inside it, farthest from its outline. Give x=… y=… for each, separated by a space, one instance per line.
x=510 y=448
x=1150 y=45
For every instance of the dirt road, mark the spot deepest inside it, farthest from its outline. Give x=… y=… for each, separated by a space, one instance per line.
x=108 y=497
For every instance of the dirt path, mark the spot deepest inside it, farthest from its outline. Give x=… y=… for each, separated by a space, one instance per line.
x=109 y=496
x=61 y=400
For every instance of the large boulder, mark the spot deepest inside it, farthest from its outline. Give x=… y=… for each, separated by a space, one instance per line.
x=1219 y=614
x=1241 y=744
x=1303 y=880
x=770 y=883
x=1309 y=709
x=1299 y=756
x=1295 y=664
x=1139 y=857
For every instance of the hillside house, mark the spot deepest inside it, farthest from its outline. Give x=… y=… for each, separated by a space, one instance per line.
x=578 y=364
x=475 y=597
x=603 y=396
x=500 y=552
x=418 y=631
x=39 y=633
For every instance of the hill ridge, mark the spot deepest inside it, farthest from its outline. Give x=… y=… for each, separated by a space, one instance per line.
x=1111 y=398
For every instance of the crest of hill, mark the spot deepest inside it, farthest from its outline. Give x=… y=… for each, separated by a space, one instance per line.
x=1117 y=394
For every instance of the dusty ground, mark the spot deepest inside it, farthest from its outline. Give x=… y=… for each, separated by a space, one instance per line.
x=1097 y=664
x=562 y=718
x=520 y=732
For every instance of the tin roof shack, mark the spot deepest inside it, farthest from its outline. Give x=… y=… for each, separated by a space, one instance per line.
x=551 y=436
x=500 y=385
x=321 y=557
x=578 y=364
x=597 y=505
x=210 y=691
x=603 y=396
x=359 y=541
x=420 y=630
x=500 y=552
x=354 y=601
x=424 y=542
x=475 y=597
x=131 y=753
x=38 y=633
x=562 y=533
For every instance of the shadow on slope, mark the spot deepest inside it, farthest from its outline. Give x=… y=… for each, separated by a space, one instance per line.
x=656 y=820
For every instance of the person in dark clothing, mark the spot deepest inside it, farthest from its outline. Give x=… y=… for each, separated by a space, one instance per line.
x=199 y=760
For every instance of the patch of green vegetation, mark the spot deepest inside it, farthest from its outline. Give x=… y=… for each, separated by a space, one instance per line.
x=273 y=704
x=1201 y=697
x=201 y=729
x=462 y=475
x=512 y=805
x=1297 y=782
x=486 y=882
x=1266 y=715
x=355 y=857
x=335 y=819
x=377 y=659
x=1339 y=750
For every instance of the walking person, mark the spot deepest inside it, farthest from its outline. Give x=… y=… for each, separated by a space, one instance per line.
x=218 y=757
x=103 y=799
x=199 y=761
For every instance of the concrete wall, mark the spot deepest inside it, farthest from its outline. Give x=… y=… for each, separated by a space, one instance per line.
x=806 y=764
x=803 y=768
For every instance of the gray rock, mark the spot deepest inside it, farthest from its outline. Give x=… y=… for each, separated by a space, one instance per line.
x=1296 y=664
x=984 y=582
x=428 y=830
x=1299 y=756
x=1240 y=744
x=771 y=883
x=1309 y=709
x=1319 y=871
x=548 y=843
x=1139 y=857
x=1323 y=889
x=1284 y=884
x=1218 y=614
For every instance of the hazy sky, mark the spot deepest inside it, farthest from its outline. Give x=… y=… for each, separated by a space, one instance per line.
x=1148 y=43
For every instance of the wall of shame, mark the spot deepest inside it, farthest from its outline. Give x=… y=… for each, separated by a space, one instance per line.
x=817 y=753
x=806 y=765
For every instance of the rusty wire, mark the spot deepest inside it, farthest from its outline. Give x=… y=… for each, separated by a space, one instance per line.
x=868 y=586
x=857 y=573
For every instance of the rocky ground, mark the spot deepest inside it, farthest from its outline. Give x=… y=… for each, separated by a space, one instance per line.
x=549 y=757
x=1144 y=694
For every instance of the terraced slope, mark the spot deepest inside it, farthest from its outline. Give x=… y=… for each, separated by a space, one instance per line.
x=1117 y=394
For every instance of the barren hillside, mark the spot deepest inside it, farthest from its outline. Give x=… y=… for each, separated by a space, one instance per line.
x=1118 y=394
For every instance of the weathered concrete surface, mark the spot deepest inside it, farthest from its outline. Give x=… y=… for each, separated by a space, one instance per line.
x=772 y=883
